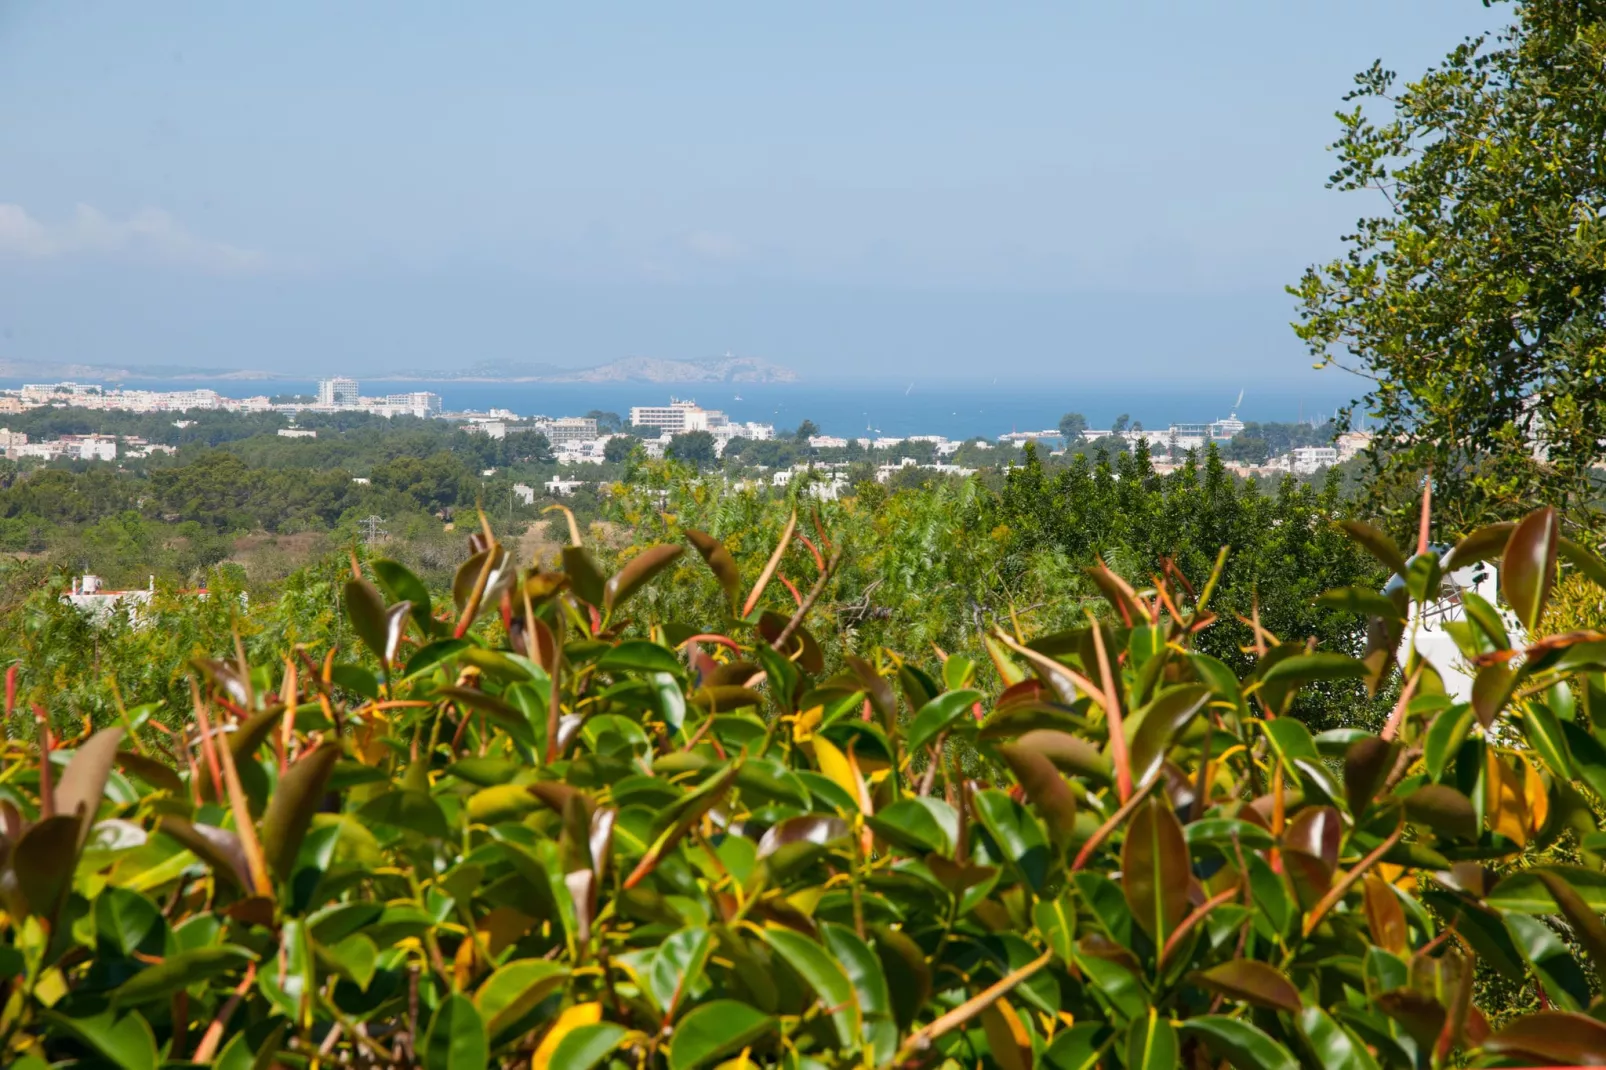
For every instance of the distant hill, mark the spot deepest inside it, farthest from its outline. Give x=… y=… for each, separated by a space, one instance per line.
x=628 y=370
x=50 y=371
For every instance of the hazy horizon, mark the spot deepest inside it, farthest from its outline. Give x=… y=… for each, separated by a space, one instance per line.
x=906 y=192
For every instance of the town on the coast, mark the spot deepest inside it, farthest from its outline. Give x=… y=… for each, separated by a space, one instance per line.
x=581 y=440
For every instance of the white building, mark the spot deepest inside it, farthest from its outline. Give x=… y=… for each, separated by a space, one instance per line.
x=1308 y=460
x=558 y=487
x=827 y=442
x=421 y=403
x=568 y=429
x=677 y=417
x=525 y=493
x=297 y=432
x=339 y=392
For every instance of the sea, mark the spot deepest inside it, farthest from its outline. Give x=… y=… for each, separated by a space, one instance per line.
x=956 y=410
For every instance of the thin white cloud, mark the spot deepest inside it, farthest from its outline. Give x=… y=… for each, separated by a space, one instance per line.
x=149 y=235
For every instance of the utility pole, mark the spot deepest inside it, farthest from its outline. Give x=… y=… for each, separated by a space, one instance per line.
x=372 y=528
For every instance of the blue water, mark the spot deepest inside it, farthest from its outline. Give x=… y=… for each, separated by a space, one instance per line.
x=954 y=410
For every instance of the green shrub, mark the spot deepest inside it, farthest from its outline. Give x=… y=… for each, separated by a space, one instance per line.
x=566 y=838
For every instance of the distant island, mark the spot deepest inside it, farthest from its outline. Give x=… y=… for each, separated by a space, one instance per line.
x=628 y=370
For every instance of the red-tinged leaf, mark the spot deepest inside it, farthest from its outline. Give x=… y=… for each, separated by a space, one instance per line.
x=1316 y=831
x=1367 y=763
x=637 y=572
x=1070 y=754
x=290 y=810
x=1528 y=567
x=1376 y=543
x=1443 y=809
x=219 y=848
x=769 y=568
x=720 y=563
x=1047 y=790
x=808 y=828
x=43 y=861
x=84 y=781
x=157 y=774
x=1491 y=688
x=1556 y=1037
x=1155 y=869
x=1119 y=594
x=1251 y=981
x=1385 y=916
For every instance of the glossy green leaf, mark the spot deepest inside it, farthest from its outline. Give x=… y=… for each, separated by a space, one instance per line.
x=1376 y=543
x=1159 y=722
x=1552 y=961
x=938 y=716
x=1445 y=735
x=584 y=578
x=677 y=968
x=1155 y=869
x=456 y=1038
x=1244 y=1046
x=402 y=585
x=714 y=1030
x=514 y=990
x=180 y=971
x=1331 y=1043
x=585 y=1046
x=126 y=921
x=824 y=974
x=290 y=810
x=912 y=824
x=1151 y=1044
x=1545 y=736
x=123 y=1038
x=638 y=655
x=1018 y=834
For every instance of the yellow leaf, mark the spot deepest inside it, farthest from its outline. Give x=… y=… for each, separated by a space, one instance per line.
x=570 y=1020
x=1504 y=805
x=807 y=721
x=1011 y=1045
x=834 y=764
x=1538 y=797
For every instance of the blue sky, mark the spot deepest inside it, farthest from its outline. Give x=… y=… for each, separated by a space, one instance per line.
x=1059 y=190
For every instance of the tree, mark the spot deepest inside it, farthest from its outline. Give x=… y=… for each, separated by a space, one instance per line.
x=1120 y=423
x=527 y=447
x=617 y=449
x=806 y=430
x=607 y=422
x=694 y=447
x=1476 y=301
x=1072 y=424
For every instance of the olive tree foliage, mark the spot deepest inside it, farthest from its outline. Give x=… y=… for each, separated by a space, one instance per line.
x=1475 y=301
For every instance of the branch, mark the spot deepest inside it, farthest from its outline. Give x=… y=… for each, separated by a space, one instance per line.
x=808 y=601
